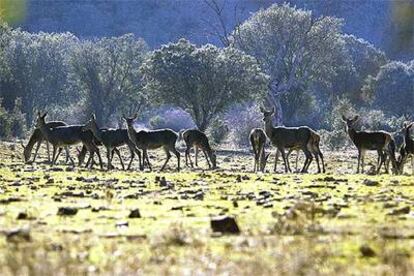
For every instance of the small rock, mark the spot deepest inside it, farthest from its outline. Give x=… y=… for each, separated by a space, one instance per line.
x=134 y=214
x=224 y=224
x=22 y=215
x=400 y=211
x=367 y=251
x=369 y=182
x=19 y=234
x=67 y=211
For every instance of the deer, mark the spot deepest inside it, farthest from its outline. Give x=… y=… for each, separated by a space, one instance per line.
x=64 y=136
x=381 y=141
x=37 y=138
x=282 y=138
x=258 y=139
x=407 y=149
x=153 y=139
x=196 y=138
x=112 y=139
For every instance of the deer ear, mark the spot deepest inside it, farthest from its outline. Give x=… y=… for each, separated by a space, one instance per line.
x=410 y=125
x=273 y=110
x=93 y=116
x=355 y=118
x=262 y=109
x=44 y=115
x=135 y=116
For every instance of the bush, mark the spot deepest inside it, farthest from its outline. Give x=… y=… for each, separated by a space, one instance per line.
x=242 y=120
x=218 y=131
x=176 y=119
x=12 y=124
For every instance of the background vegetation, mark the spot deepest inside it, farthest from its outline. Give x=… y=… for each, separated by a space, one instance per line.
x=298 y=58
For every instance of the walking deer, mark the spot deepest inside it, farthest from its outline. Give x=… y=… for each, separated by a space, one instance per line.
x=407 y=150
x=196 y=138
x=302 y=138
x=381 y=141
x=258 y=139
x=112 y=139
x=64 y=136
x=153 y=139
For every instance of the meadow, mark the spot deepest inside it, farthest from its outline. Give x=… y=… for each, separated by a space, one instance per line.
x=64 y=220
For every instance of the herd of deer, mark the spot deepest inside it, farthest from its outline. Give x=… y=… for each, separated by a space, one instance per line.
x=303 y=138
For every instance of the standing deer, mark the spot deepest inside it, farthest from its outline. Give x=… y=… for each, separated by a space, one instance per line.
x=258 y=141
x=381 y=141
x=153 y=139
x=407 y=150
x=37 y=138
x=196 y=138
x=299 y=138
x=64 y=136
x=290 y=138
x=112 y=139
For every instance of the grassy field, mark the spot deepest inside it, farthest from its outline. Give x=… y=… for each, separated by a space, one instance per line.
x=75 y=221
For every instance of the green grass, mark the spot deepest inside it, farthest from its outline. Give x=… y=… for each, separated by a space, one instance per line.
x=309 y=223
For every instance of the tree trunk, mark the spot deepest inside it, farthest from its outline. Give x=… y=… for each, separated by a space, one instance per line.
x=275 y=101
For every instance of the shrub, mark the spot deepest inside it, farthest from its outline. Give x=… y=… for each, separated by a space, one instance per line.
x=218 y=131
x=242 y=120
x=12 y=124
x=176 y=119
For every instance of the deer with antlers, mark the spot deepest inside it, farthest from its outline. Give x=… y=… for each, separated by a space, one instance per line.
x=380 y=141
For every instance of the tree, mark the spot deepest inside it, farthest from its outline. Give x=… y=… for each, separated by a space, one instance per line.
x=359 y=60
x=392 y=89
x=37 y=70
x=203 y=81
x=4 y=41
x=292 y=47
x=107 y=73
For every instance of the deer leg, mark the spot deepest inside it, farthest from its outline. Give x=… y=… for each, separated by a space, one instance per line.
x=147 y=159
x=140 y=161
x=108 y=158
x=208 y=162
x=308 y=160
x=54 y=160
x=99 y=158
x=380 y=160
x=68 y=156
x=287 y=158
x=359 y=160
x=188 y=153
x=177 y=154
x=47 y=149
x=412 y=164
x=276 y=158
x=167 y=152
x=53 y=155
x=120 y=158
x=196 y=156
x=362 y=161
x=323 y=162
x=132 y=155
x=37 y=149
x=282 y=151
x=296 y=161
x=317 y=162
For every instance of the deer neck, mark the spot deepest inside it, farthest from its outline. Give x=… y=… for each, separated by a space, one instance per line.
x=352 y=133
x=97 y=132
x=268 y=127
x=45 y=130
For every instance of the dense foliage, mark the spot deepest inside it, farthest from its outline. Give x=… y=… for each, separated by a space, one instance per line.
x=203 y=81
x=285 y=56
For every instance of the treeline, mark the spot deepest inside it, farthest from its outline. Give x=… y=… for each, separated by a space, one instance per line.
x=282 y=56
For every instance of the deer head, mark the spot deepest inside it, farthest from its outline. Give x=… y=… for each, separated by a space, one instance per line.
x=267 y=115
x=40 y=121
x=130 y=120
x=350 y=123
